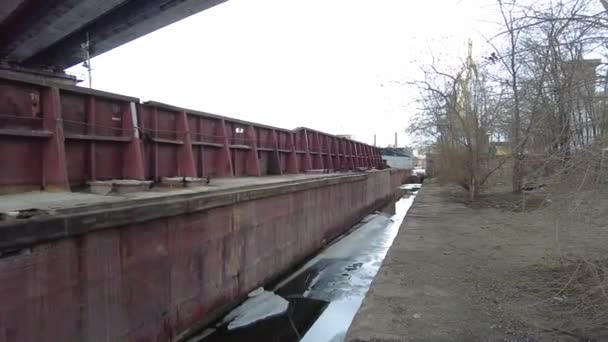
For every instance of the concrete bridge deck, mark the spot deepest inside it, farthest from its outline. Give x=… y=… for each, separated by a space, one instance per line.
x=50 y=33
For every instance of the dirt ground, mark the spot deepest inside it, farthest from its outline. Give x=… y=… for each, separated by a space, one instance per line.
x=493 y=270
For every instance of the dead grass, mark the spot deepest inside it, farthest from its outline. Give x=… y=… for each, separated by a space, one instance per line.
x=567 y=292
x=509 y=201
x=569 y=288
x=504 y=200
x=574 y=296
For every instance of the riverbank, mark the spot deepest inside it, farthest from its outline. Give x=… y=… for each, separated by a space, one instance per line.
x=459 y=273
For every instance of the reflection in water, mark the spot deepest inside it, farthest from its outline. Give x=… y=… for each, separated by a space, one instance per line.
x=334 y=321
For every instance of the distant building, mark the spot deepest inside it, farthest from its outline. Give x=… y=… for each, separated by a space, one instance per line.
x=420 y=162
x=408 y=150
x=500 y=149
x=583 y=101
x=397 y=158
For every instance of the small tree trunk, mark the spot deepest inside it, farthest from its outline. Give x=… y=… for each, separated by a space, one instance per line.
x=516 y=140
x=471 y=191
x=517 y=179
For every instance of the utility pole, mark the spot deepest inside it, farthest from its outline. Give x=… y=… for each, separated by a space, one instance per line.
x=86 y=49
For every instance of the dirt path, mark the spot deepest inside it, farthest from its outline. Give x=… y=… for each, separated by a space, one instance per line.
x=460 y=274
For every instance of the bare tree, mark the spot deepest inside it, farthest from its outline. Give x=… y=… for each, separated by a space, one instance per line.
x=460 y=110
x=543 y=90
x=540 y=81
x=551 y=83
x=510 y=63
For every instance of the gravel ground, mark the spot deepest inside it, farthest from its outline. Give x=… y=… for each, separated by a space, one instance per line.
x=490 y=271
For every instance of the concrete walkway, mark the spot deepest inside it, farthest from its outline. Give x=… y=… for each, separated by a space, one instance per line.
x=42 y=200
x=421 y=292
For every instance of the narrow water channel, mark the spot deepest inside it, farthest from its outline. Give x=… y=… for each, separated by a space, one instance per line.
x=323 y=296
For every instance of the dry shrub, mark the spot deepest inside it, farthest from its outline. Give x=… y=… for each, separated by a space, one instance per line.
x=471 y=171
x=452 y=166
x=578 y=193
x=576 y=293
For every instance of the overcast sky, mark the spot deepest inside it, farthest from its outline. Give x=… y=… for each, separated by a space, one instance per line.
x=334 y=65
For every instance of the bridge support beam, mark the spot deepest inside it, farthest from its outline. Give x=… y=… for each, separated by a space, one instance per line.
x=54 y=166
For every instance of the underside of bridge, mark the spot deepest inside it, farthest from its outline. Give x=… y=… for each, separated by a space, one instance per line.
x=50 y=33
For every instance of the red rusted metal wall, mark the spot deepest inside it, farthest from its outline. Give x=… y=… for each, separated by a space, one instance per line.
x=57 y=136
x=152 y=281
